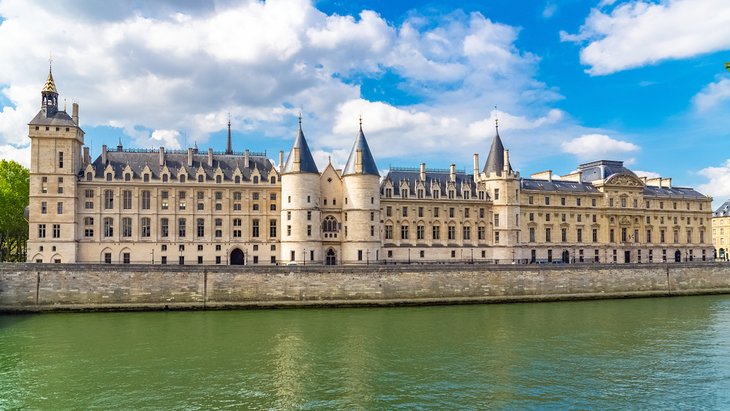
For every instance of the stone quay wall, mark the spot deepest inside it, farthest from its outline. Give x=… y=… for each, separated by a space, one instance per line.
x=70 y=287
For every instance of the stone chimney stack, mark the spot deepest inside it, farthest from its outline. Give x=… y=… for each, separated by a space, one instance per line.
x=190 y=156
x=75 y=113
x=505 y=168
x=281 y=161
x=246 y=158
x=452 y=173
x=103 y=155
x=423 y=172
x=210 y=157
x=476 y=167
x=162 y=156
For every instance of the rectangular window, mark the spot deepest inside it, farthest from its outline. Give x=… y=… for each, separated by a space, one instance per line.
x=108 y=227
x=126 y=227
x=255 y=228
x=547 y=235
x=481 y=233
x=451 y=212
x=467 y=233
x=127 y=199
x=496 y=194
x=56 y=231
x=404 y=232
x=164 y=227
x=108 y=199
x=420 y=212
x=60 y=185
x=532 y=234
x=272 y=229
x=420 y=232
x=60 y=159
x=405 y=211
x=181 y=227
x=595 y=235
x=41 y=231
x=145 y=200
x=436 y=212
x=388 y=211
x=436 y=232
x=452 y=232
x=388 y=232
x=579 y=235
x=496 y=220
x=547 y=200
x=145 y=229
x=563 y=234
x=201 y=227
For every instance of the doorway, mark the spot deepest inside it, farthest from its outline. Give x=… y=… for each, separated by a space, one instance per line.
x=566 y=256
x=677 y=256
x=627 y=256
x=330 y=257
x=237 y=257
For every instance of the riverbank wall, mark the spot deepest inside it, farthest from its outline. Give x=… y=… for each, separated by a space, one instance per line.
x=90 y=287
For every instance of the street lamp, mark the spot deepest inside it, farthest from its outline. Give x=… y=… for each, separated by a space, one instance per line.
x=304 y=256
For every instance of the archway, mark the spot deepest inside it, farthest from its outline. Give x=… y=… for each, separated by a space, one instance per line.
x=237 y=257
x=330 y=257
x=677 y=256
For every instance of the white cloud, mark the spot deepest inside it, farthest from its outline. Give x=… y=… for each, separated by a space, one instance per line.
x=168 y=74
x=647 y=174
x=597 y=146
x=19 y=154
x=712 y=95
x=668 y=29
x=718 y=184
x=549 y=10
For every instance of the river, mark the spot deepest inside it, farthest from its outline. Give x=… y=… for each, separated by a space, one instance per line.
x=653 y=353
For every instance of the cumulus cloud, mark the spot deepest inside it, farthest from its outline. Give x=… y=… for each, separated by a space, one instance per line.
x=167 y=73
x=667 y=29
x=597 y=146
x=19 y=154
x=712 y=95
x=718 y=182
x=647 y=174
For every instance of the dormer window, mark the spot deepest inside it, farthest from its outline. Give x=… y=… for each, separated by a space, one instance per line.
x=146 y=177
x=164 y=178
x=237 y=179
x=404 y=193
x=182 y=178
x=388 y=192
x=200 y=178
x=108 y=176
x=127 y=177
x=255 y=179
x=273 y=180
x=89 y=176
x=218 y=179
x=437 y=194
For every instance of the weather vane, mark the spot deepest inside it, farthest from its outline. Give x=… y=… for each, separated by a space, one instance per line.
x=496 y=116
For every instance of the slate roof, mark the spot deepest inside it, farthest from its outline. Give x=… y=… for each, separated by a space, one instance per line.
x=368 y=163
x=558 y=186
x=602 y=170
x=495 y=160
x=177 y=160
x=307 y=164
x=54 y=118
x=412 y=176
x=723 y=210
x=673 y=192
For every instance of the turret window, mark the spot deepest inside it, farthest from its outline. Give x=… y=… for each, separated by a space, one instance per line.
x=60 y=185
x=60 y=159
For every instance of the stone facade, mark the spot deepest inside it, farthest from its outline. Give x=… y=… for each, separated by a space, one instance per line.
x=721 y=231
x=217 y=208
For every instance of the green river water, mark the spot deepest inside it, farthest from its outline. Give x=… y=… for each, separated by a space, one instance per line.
x=661 y=353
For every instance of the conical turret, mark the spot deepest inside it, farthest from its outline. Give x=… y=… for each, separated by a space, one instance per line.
x=361 y=159
x=300 y=159
x=496 y=159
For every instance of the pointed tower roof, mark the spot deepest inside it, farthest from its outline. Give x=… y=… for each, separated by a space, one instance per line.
x=495 y=160
x=229 y=147
x=368 y=163
x=306 y=161
x=50 y=85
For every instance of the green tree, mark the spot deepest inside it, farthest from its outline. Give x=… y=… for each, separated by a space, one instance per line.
x=14 y=189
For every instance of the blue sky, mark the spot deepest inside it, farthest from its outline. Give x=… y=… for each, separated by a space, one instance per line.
x=573 y=81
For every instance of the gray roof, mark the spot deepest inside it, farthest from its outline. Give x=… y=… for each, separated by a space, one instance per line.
x=602 y=170
x=412 y=175
x=177 y=160
x=495 y=160
x=673 y=192
x=52 y=118
x=307 y=164
x=368 y=163
x=723 y=211
x=558 y=186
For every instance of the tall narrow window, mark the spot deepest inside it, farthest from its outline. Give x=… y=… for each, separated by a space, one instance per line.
x=60 y=159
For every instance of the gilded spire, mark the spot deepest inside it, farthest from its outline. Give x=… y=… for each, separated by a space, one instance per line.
x=50 y=85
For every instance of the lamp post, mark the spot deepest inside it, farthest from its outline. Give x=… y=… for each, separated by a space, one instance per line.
x=367 y=258
x=409 y=255
x=304 y=256
x=153 y=255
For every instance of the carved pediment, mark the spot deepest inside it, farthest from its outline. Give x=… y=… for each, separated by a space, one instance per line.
x=625 y=180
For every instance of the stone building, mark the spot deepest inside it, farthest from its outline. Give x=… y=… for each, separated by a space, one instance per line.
x=721 y=231
x=189 y=207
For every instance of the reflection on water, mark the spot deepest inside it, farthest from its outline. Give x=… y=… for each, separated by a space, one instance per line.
x=643 y=353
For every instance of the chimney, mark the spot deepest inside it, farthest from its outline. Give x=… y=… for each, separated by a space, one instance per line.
x=162 y=156
x=452 y=173
x=75 y=113
x=246 y=158
x=423 y=172
x=476 y=167
x=103 y=155
x=190 y=156
x=210 y=157
x=87 y=157
x=358 y=162
x=281 y=161
x=666 y=182
x=506 y=161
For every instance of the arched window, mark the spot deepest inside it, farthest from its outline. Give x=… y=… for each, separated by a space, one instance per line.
x=330 y=227
x=273 y=180
x=182 y=178
x=89 y=176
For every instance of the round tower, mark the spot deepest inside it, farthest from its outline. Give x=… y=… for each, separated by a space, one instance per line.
x=301 y=241
x=503 y=185
x=361 y=209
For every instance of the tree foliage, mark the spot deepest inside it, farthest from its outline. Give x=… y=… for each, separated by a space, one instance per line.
x=14 y=189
